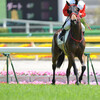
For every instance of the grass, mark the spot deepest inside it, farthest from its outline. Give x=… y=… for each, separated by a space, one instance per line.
x=49 y=92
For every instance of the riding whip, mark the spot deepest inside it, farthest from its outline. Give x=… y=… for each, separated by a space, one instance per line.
x=65 y=23
x=87 y=25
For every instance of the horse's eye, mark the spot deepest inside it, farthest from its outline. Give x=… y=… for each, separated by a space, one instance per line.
x=78 y=9
x=69 y=11
x=70 y=8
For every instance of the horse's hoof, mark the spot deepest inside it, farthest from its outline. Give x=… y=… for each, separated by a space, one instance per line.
x=80 y=81
x=67 y=83
x=52 y=83
x=77 y=83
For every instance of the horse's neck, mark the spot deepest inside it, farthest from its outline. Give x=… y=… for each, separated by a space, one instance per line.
x=76 y=31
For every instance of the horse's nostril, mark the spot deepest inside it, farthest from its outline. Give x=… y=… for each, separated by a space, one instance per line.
x=73 y=17
x=74 y=21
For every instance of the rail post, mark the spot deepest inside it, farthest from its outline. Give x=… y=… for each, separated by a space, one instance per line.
x=7 y=62
x=88 y=77
x=94 y=71
x=51 y=28
x=27 y=28
x=5 y=24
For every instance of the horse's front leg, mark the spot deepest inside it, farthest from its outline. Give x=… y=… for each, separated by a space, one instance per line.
x=75 y=71
x=68 y=70
x=83 y=68
x=72 y=63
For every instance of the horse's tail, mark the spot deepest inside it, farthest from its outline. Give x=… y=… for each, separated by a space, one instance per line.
x=60 y=60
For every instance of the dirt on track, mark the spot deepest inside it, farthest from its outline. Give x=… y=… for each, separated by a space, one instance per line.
x=42 y=65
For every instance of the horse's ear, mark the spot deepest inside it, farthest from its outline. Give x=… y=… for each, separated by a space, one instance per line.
x=67 y=3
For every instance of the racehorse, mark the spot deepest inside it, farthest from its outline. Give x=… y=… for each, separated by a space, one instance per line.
x=73 y=47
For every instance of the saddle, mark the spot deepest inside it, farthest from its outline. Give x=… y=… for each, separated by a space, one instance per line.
x=61 y=42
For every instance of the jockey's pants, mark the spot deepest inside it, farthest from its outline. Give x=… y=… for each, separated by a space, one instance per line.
x=67 y=25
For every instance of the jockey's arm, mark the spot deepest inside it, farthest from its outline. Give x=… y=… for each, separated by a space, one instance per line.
x=65 y=10
x=81 y=6
x=82 y=12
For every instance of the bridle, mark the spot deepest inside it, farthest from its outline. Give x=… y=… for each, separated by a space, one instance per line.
x=74 y=12
x=78 y=18
x=75 y=39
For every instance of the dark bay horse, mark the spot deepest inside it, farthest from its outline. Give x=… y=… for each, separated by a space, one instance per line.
x=74 y=47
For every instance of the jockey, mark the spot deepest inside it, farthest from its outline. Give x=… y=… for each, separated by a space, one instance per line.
x=81 y=5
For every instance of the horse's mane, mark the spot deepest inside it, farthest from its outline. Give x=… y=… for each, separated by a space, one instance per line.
x=76 y=2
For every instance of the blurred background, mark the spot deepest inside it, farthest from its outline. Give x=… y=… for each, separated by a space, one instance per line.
x=32 y=23
x=45 y=10
x=17 y=14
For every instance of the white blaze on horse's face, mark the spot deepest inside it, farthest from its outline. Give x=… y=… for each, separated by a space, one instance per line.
x=73 y=17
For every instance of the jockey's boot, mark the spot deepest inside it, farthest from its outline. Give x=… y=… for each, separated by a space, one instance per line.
x=83 y=32
x=62 y=34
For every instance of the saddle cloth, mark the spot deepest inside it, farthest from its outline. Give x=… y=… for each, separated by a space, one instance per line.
x=61 y=43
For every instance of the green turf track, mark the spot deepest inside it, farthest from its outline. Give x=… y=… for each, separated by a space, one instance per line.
x=49 y=92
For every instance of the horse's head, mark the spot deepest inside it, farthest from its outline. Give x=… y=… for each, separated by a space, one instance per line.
x=75 y=26
x=74 y=13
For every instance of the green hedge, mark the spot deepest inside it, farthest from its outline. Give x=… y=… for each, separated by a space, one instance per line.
x=41 y=34
x=4 y=30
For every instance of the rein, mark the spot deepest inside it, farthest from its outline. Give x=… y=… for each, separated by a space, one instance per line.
x=75 y=39
x=78 y=17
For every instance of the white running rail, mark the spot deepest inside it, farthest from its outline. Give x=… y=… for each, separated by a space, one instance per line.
x=40 y=50
x=28 y=24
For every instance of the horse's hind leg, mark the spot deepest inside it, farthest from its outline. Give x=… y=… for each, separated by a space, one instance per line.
x=83 y=69
x=55 y=56
x=54 y=65
x=54 y=68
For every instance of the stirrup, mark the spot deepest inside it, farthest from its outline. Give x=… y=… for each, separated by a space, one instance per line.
x=61 y=38
x=62 y=34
